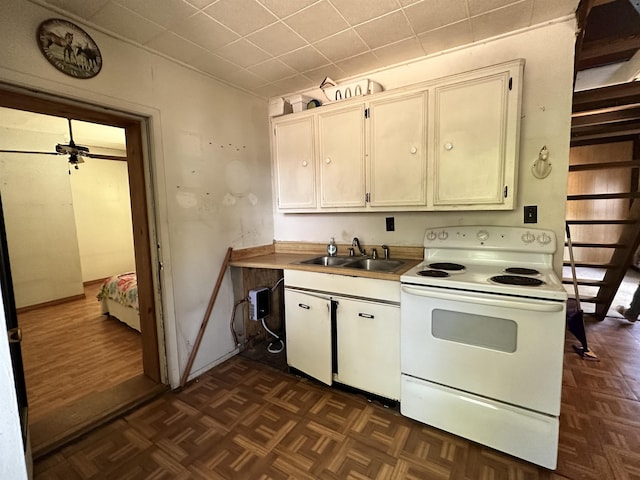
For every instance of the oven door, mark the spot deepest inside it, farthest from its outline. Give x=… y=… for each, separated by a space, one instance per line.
x=505 y=348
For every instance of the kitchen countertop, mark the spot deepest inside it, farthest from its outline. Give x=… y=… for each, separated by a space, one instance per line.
x=288 y=260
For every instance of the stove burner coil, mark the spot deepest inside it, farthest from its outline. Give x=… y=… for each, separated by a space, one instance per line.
x=522 y=271
x=433 y=273
x=447 y=266
x=517 y=280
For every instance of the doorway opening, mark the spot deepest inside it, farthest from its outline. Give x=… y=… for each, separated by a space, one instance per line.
x=75 y=418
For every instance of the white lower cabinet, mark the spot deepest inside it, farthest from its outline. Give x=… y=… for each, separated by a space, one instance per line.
x=308 y=333
x=368 y=344
x=335 y=333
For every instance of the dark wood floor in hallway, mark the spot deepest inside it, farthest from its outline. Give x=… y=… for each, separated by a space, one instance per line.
x=70 y=350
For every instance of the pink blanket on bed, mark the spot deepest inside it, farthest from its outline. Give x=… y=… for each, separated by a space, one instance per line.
x=122 y=288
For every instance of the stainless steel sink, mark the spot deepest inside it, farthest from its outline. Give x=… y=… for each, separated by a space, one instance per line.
x=375 y=265
x=328 y=261
x=369 y=264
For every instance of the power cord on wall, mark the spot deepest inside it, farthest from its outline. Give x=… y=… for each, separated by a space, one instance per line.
x=233 y=316
x=270 y=347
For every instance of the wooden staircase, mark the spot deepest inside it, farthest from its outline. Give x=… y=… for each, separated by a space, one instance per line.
x=603 y=212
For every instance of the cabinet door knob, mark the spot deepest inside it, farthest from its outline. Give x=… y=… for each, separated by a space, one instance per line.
x=302 y=305
x=304 y=163
x=448 y=146
x=365 y=315
x=328 y=160
x=413 y=150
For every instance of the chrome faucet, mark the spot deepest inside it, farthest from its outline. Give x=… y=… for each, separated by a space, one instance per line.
x=356 y=243
x=385 y=249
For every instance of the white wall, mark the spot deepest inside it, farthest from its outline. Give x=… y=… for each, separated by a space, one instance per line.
x=41 y=229
x=102 y=209
x=546 y=118
x=209 y=163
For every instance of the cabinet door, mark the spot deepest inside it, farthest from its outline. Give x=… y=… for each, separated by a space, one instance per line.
x=308 y=334
x=295 y=163
x=368 y=339
x=473 y=126
x=341 y=142
x=397 y=151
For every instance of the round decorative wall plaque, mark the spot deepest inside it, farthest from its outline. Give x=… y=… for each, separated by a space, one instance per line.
x=69 y=48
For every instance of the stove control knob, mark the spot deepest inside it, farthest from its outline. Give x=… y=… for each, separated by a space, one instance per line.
x=544 y=239
x=431 y=235
x=483 y=235
x=443 y=235
x=528 y=237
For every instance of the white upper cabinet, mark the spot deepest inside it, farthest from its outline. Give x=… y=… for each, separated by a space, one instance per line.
x=342 y=160
x=397 y=151
x=475 y=144
x=447 y=144
x=295 y=165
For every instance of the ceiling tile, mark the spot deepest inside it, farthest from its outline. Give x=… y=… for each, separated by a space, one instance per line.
x=81 y=8
x=304 y=59
x=272 y=70
x=544 y=10
x=500 y=21
x=215 y=65
x=165 y=13
x=400 y=51
x=317 y=22
x=242 y=52
x=358 y=11
x=124 y=22
x=284 y=8
x=175 y=47
x=319 y=74
x=241 y=16
x=294 y=84
x=430 y=14
x=200 y=4
x=476 y=7
x=204 y=31
x=384 y=30
x=444 y=38
x=342 y=45
x=277 y=39
x=246 y=80
x=360 y=63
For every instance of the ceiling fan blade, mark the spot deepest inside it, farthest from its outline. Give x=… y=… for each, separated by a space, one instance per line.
x=31 y=152
x=103 y=157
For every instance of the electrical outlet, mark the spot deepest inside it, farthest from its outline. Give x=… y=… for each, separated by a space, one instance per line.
x=531 y=214
x=391 y=224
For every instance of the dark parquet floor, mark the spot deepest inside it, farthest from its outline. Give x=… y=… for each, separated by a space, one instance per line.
x=247 y=420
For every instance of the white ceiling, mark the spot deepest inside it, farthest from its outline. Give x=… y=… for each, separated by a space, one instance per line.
x=276 y=47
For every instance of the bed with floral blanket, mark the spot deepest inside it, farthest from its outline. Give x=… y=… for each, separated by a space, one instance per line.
x=118 y=297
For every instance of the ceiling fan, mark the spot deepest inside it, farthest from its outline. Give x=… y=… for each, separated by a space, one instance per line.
x=75 y=152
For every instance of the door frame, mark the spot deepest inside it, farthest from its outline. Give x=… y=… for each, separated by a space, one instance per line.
x=140 y=202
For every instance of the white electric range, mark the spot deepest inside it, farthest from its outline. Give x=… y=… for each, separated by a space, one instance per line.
x=482 y=330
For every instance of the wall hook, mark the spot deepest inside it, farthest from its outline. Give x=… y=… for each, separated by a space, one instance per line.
x=541 y=168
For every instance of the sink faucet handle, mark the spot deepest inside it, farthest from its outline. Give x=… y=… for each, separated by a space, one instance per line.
x=374 y=253
x=385 y=249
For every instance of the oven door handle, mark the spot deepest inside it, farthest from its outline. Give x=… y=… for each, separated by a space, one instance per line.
x=492 y=301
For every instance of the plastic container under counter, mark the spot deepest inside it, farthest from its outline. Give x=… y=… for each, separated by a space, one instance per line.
x=353 y=89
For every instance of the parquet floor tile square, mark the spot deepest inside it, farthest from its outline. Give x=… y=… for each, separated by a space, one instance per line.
x=246 y=420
